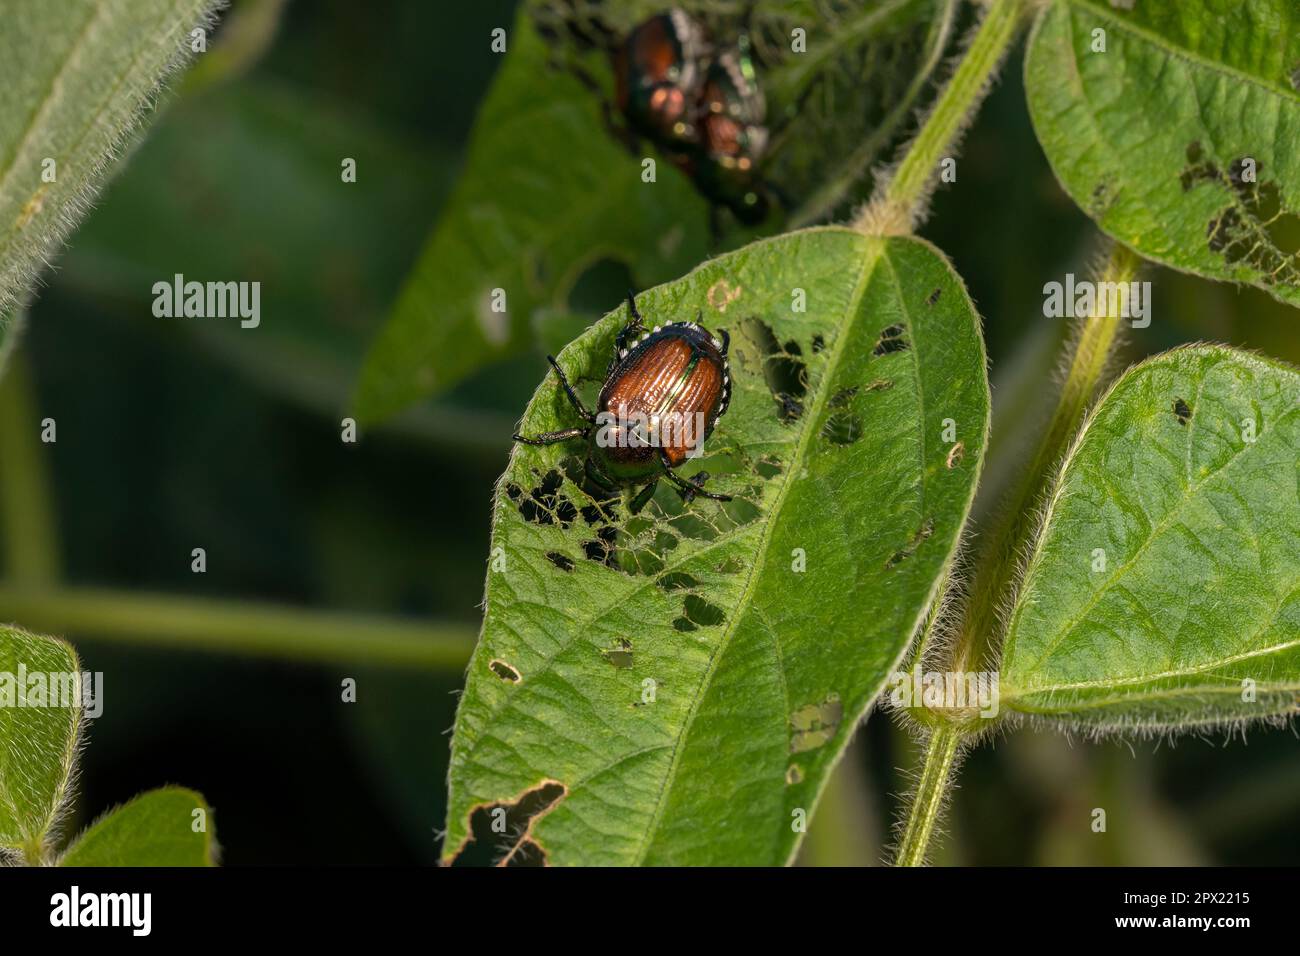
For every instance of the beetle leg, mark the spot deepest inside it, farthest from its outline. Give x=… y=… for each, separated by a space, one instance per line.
x=630 y=331
x=550 y=438
x=726 y=341
x=690 y=488
x=568 y=389
x=642 y=498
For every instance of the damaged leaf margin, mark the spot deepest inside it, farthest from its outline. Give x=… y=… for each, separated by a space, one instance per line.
x=1150 y=136
x=806 y=588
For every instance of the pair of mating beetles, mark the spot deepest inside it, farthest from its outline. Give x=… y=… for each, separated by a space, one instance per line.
x=673 y=372
x=701 y=105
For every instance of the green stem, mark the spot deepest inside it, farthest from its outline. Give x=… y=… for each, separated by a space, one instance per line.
x=35 y=852
x=997 y=563
x=931 y=789
x=899 y=205
x=259 y=630
x=31 y=541
x=999 y=556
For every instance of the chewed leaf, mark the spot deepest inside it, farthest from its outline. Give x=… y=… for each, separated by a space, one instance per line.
x=554 y=185
x=1164 y=591
x=75 y=77
x=698 y=668
x=170 y=826
x=1176 y=126
x=40 y=720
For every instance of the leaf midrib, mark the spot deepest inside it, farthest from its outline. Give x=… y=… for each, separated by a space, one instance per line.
x=875 y=249
x=635 y=585
x=1191 y=671
x=1169 y=693
x=49 y=97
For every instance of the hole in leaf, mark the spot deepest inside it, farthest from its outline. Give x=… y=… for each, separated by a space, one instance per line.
x=933 y=297
x=676 y=581
x=500 y=833
x=741 y=511
x=783 y=368
x=814 y=724
x=561 y=561
x=693 y=526
x=769 y=466
x=1182 y=410
x=701 y=613
x=620 y=655
x=918 y=538
x=527 y=853
x=545 y=505
x=818 y=343
x=794 y=774
x=504 y=671
x=599 y=513
x=955 y=454
x=1254 y=229
x=891 y=340
x=601 y=548
x=842 y=427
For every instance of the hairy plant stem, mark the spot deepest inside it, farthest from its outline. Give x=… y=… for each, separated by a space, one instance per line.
x=997 y=560
x=899 y=204
x=35 y=852
x=931 y=788
x=999 y=556
x=239 y=627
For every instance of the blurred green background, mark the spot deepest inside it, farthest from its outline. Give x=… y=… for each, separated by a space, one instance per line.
x=176 y=434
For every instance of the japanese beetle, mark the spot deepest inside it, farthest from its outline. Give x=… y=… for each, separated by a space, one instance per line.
x=657 y=73
x=664 y=391
x=732 y=135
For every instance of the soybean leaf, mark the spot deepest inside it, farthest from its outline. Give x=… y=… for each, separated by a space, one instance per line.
x=38 y=735
x=1182 y=138
x=170 y=826
x=673 y=687
x=75 y=80
x=548 y=192
x=545 y=194
x=1164 y=590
